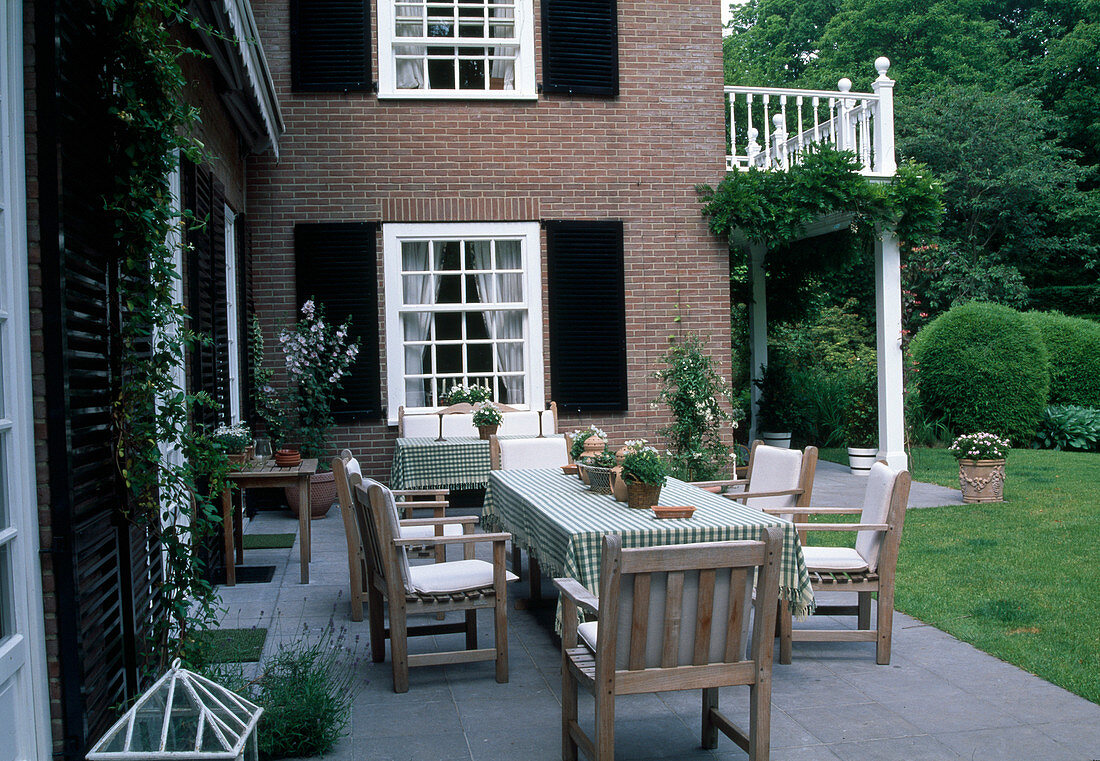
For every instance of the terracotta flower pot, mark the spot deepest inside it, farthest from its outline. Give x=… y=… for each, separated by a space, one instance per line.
x=618 y=485
x=322 y=493
x=288 y=458
x=982 y=480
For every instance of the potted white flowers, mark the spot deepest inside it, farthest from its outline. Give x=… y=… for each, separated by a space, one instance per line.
x=981 y=459
x=235 y=441
x=487 y=418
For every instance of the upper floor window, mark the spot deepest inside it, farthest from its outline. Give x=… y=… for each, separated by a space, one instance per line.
x=462 y=49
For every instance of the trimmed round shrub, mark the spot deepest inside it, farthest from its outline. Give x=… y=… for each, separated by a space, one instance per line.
x=983 y=367
x=1073 y=346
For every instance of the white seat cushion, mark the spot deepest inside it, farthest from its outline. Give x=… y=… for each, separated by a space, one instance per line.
x=833 y=559
x=423 y=532
x=587 y=632
x=455 y=576
x=520 y=454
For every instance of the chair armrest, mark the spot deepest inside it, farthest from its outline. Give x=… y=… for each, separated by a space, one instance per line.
x=575 y=591
x=439 y=521
x=842 y=526
x=814 y=510
x=431 y=541
x=749 y=494
x=734 y=482
x=422 y=504
x=420 y=492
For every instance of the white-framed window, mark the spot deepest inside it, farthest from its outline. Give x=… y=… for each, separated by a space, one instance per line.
x=24 y=706
x=463 y=49
x=463 y=305
x=232 y=316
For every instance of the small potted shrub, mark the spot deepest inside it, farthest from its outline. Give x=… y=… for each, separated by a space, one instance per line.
x=981 y=459
x=861 y=417
x=487 y=418
x=778 y=412
x=644 y=473
x=235 y=441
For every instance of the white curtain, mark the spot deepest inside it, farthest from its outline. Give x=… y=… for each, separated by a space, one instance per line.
x=504 y=68
x=417 y=289
x=503 y=288
x=410 y=71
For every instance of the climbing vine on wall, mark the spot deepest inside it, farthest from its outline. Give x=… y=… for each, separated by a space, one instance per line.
x=171 y=470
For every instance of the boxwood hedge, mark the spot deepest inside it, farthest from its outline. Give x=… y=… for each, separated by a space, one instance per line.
x=1073 y=346
x=983 y=367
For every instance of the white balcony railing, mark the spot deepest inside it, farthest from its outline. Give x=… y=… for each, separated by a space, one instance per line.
x=770 y=128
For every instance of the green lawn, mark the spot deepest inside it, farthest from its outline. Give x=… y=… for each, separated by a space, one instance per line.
x=1019 y=580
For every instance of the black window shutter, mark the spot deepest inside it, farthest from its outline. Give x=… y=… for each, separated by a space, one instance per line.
x=330 y=45
x=337 y=265
x=580 y=47
x=587 y=312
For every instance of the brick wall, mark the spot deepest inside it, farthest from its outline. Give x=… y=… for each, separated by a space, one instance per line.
x=353 y=157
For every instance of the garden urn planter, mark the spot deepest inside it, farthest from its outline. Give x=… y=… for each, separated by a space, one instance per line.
x=594 y=445
x=640 y=496
x=618 y=485
x=776 y=439
x=485 y=431
x=982 y=480
x=860 y=460
x=322 y=493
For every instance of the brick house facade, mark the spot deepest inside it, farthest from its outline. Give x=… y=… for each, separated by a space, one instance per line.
x=358 y=156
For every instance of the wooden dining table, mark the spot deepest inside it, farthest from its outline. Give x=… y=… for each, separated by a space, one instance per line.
x=561 y=523
x=262 y=474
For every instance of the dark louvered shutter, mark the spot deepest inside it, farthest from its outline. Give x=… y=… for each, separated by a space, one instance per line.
x=580 y=47
x=587 y=315
x=204 y=197
x=337 y=266
x=330 y=45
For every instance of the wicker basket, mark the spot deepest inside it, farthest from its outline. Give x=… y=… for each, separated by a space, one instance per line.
x=599 y=479
x=641 y=496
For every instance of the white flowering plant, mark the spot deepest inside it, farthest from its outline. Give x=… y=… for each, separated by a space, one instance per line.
x=580 y=436
x=460 y=392
x=644 y=465
x=318 y=356
x=232 y=439
x=487 y=414
x=979 y=446
x=700 y=401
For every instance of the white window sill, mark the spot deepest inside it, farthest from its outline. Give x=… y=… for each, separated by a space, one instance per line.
x=458 y=95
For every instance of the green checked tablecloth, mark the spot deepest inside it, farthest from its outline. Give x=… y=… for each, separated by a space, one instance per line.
x=559 y=521
x=459 y=462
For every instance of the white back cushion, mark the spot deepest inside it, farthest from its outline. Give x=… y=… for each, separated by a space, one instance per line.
x=520 y=454
x=416 y=426
x=549 y=423
x=461 y=424
x=774 y=469
x=876 y=507
x=392 y=529
x=352 y=466
x=520 y=424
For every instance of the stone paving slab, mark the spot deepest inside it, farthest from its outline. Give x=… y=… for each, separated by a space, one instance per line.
x=939 y=700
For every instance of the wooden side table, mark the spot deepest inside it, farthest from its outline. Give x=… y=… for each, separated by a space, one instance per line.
x=267 y=474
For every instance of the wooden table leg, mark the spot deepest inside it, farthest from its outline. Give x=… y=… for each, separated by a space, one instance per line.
x=227 y=533
x=238 y=527
x=303 y=526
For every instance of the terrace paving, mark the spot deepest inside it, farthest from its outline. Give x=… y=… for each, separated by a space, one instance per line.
x=939 y=699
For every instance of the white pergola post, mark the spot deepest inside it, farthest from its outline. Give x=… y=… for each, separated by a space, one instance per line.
x=758 y=328
x=891 y=408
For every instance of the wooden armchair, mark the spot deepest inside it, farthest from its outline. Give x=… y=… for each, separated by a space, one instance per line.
x=515 y=454
x=777 y=478
x=672 y=618
x=348 y=475
x=866 y=570
x=406 y=590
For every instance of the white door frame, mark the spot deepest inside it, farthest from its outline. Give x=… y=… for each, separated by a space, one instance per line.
x=22 y=650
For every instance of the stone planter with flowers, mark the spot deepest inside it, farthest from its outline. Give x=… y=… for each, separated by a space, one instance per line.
x=981 y=459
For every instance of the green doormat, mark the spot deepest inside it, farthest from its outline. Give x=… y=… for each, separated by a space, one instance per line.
x=235 y=645
x=268 y=541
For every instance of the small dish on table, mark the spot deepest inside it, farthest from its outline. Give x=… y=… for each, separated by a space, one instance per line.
x=569 y=470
